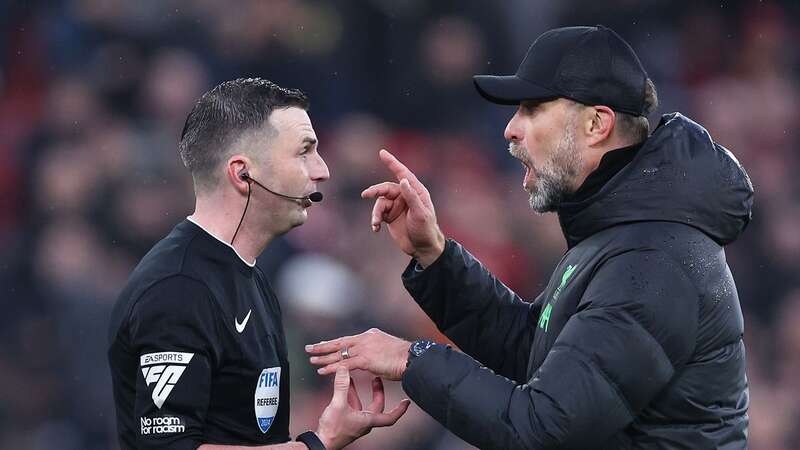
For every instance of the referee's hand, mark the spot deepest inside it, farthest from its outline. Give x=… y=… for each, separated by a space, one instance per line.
x=345 y=419
x=408 y=211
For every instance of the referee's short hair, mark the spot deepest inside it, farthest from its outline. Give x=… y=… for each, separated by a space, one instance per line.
x=223 y=115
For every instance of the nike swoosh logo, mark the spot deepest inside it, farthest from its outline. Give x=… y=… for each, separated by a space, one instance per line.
x=240 y=326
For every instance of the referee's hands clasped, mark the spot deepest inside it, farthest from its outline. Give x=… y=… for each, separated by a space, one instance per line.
x=345 y=419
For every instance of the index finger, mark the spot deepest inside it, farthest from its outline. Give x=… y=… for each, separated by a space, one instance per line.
x=327 y=346
x=378 y=396
x=397 y=168
x=401 y=171
x=352 y=397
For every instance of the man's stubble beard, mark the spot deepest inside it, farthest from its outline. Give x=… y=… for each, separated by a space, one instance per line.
x=555 y=177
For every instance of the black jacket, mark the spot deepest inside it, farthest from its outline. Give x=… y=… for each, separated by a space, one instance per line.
x=637 y=340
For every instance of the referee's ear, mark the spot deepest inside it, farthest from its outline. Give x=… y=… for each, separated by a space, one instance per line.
x=235 y=167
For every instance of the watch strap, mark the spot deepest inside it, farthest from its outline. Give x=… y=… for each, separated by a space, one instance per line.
x=311 y=440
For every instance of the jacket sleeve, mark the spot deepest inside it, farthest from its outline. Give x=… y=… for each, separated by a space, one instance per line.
x=635 y=327
x=467 y=302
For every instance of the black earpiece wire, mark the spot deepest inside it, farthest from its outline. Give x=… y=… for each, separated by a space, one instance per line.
x=249 y=190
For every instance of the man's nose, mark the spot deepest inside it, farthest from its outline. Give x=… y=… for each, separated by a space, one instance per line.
x=319 y=171
x=513 y=131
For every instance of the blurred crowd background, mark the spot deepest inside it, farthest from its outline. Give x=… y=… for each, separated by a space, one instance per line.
x=94 y=93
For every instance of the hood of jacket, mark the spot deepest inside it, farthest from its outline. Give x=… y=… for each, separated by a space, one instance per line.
x=678 y=175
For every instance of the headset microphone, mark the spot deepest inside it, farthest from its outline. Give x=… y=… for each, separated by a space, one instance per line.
x=315 y=197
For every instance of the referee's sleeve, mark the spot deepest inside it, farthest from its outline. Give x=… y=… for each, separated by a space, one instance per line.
x=175 y=330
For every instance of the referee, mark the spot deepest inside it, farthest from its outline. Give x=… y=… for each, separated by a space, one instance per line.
x=197 y=349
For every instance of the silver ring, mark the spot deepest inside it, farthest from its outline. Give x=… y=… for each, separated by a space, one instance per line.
x=345 y=353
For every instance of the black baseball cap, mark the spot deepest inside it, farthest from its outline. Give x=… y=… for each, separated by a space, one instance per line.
x=591 y=65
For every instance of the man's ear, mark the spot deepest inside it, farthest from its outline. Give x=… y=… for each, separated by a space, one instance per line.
x=600 y=125
x=236 y=166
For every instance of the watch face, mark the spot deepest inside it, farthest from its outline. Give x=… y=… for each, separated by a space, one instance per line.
x=420 y=346
x=417 y=349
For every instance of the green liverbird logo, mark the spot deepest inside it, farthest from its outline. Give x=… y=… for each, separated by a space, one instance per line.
x=566 y=275
x=544 y=317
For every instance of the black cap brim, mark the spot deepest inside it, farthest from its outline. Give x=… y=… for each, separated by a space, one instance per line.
x=509 y=89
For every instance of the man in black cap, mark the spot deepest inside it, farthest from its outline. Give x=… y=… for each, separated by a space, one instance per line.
x=636 y=342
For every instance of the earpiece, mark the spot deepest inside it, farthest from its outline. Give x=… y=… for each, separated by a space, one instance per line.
x=244 y=176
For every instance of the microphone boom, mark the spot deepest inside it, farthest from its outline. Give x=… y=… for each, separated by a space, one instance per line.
x=315 y=197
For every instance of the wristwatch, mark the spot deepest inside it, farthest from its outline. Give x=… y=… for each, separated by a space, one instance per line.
x=418 y=348
x=311 y=440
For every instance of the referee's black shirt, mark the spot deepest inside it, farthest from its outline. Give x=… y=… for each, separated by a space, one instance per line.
x=197 y=349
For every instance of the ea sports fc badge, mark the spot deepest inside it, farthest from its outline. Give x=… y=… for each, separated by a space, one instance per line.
x=267 y=397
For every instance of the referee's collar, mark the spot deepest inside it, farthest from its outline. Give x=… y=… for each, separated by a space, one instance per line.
x=253 y=264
